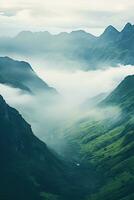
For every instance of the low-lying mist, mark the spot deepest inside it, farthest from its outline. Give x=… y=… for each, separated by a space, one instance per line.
x=73 y=82
x=74 y=87
x=77 y=86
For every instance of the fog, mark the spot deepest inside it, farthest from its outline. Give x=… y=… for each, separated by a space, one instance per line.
x=77 y=86
x=74 y=88
x=71 y=80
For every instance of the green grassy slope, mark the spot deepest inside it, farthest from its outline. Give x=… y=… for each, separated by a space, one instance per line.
x=108 y=145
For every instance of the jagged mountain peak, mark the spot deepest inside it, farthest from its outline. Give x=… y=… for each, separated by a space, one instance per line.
x=128 y=30
x=110 y=33
x=111 y=28
x=128 y=26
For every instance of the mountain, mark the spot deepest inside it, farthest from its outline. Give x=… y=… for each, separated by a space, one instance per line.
x=28 y=170
x=111 y=48
x=44 y=44
x=110 y=34
x=127 y=30
x=123 y=95
x=115 y=48
x=19 y=74
x=105 y=141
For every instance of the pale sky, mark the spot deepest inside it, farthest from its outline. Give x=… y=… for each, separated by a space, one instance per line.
x=64 y=15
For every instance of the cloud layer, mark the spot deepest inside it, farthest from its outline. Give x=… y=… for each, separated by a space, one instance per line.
x=62 y=15
x=78 y=85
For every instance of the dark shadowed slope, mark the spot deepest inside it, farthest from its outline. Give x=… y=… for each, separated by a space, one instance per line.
x=28 y=169
x=19 y=74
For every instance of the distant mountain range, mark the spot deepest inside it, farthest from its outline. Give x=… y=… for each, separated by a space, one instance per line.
x=110 y=48
x=19 y=74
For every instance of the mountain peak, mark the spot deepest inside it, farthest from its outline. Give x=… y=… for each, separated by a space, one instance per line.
x=128 y=28
x=82 y=33
x=111 y=28
x=128 y=25
x=110 y=33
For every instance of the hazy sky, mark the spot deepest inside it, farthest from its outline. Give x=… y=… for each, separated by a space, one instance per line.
x=64 y=15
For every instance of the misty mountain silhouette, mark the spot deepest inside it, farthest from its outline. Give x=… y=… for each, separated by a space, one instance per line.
x=110 y=48
x=110 y=33
x=19 y=74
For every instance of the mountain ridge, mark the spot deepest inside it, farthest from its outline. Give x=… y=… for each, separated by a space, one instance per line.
x=128 y=25
x=19 y=74
x=111 y=48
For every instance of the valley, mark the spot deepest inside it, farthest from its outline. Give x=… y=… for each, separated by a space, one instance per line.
x=92 y=156
x=66 y=105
